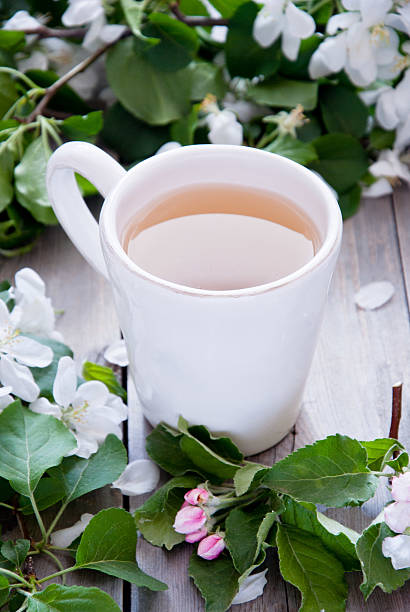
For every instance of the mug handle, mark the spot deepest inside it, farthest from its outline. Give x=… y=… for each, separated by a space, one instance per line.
x=70 y=209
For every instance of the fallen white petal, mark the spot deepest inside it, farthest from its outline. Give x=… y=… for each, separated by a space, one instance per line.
x=117 y=351
x=251 y=588
x=64 y=537
x=140 y=476
x=374 y=295
x=379 y=188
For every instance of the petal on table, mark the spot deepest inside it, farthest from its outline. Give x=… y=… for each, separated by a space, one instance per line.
x=140 y=476
x=251 y=588
x=380 y=188
x=64 y=537
x=374 y=295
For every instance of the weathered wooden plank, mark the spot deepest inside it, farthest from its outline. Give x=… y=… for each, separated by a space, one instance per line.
x=360 y=355
x=88 y=324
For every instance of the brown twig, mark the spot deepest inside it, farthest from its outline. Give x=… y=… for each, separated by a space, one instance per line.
x=396 y=412
x=197 y=21
x=43 y=31
x=53 y=89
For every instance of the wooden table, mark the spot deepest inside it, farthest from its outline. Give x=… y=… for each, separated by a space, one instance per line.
x=360 y=355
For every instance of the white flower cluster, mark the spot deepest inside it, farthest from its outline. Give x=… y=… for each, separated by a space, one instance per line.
x=397 y=517
x=62 y=55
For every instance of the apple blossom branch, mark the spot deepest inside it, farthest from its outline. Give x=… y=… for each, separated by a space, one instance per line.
x=396 y=411
x=196 y=21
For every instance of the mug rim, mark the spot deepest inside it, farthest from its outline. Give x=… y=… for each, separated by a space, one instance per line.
x=112 y=241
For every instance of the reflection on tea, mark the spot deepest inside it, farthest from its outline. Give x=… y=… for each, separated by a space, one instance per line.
x=219 y=237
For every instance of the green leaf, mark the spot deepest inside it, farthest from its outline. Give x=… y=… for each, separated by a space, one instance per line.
x=381 y=139
x=57 y=598
x=6 y=491
x=4 y=590
x=306 y=563
x=377 y=569
x=379 y=451
x=349 y=201
x=227 y=7
x=80 y=476
x=8 y=93
x=299 y=68
x=133 y=139
x=257 y=60
x=5 y=124
x=155 y=518
x=82 y=127
x=45 y=377
x=48 y=492
x=18 y=231
x=66 y=99
x=342 y=110
x=163 y=447
x=342 y=160
x=134 y=13
x=324 y=13
x=6 y=178
x=108 y=545
x=183 y=129
x=149 y=94
x=206 y=79
x=93 y=371
x=177 y=45
x=86 y=188
x=30 y=183
x=332 y=472
x=399 y=463
x=212 y=455
x=245 y=533
x=11 y=40
x=217 y=581
x=30 y=443
x=285 y=93
x=337 y=539
x=300 y=152
x=15 y=552
x=245 y=476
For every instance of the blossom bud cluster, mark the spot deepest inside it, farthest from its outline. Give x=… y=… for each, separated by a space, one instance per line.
x=191 y=520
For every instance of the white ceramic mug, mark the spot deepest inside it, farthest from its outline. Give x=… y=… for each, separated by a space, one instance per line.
x=235 y=361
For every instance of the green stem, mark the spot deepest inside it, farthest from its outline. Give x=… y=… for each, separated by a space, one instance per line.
x=318 y=6
x=19 y=75
x=267 y=138
x=38 y=517
x=62 y=549
x=56 y=561
x=51 y=576
x=6 y=506
x=55 y=521
x=15 y=576
x=23 y=606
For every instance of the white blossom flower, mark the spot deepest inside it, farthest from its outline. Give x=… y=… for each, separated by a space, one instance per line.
x=251 y=588
x=64 y=537
x=282 y=17
x=392 y=110
x=5 y=397
x=33 y=312
x=224 y=128
x=397 y=514
x=168 y=146
x=388 y=169
x=244 y=110
x=140 y=476
x=218 y=33
x=117 y=351
x=365 y=44
x=89 y=411
x=91 y=12
x=398 y=549
x=22 y=20
x=288 y=122
x=17 y=352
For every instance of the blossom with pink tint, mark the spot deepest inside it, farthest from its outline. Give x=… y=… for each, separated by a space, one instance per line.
x=397 y=515
x=211 y=547
x=400 y=487
x=196 y=496
x=195 y=536
x=189 y=519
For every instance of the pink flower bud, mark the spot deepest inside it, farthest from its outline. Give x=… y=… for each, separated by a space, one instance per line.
x=185 y=504
x=196 y=496
x=195 y=536
x=400 y=487
x=189 y=519
x=211 y=547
